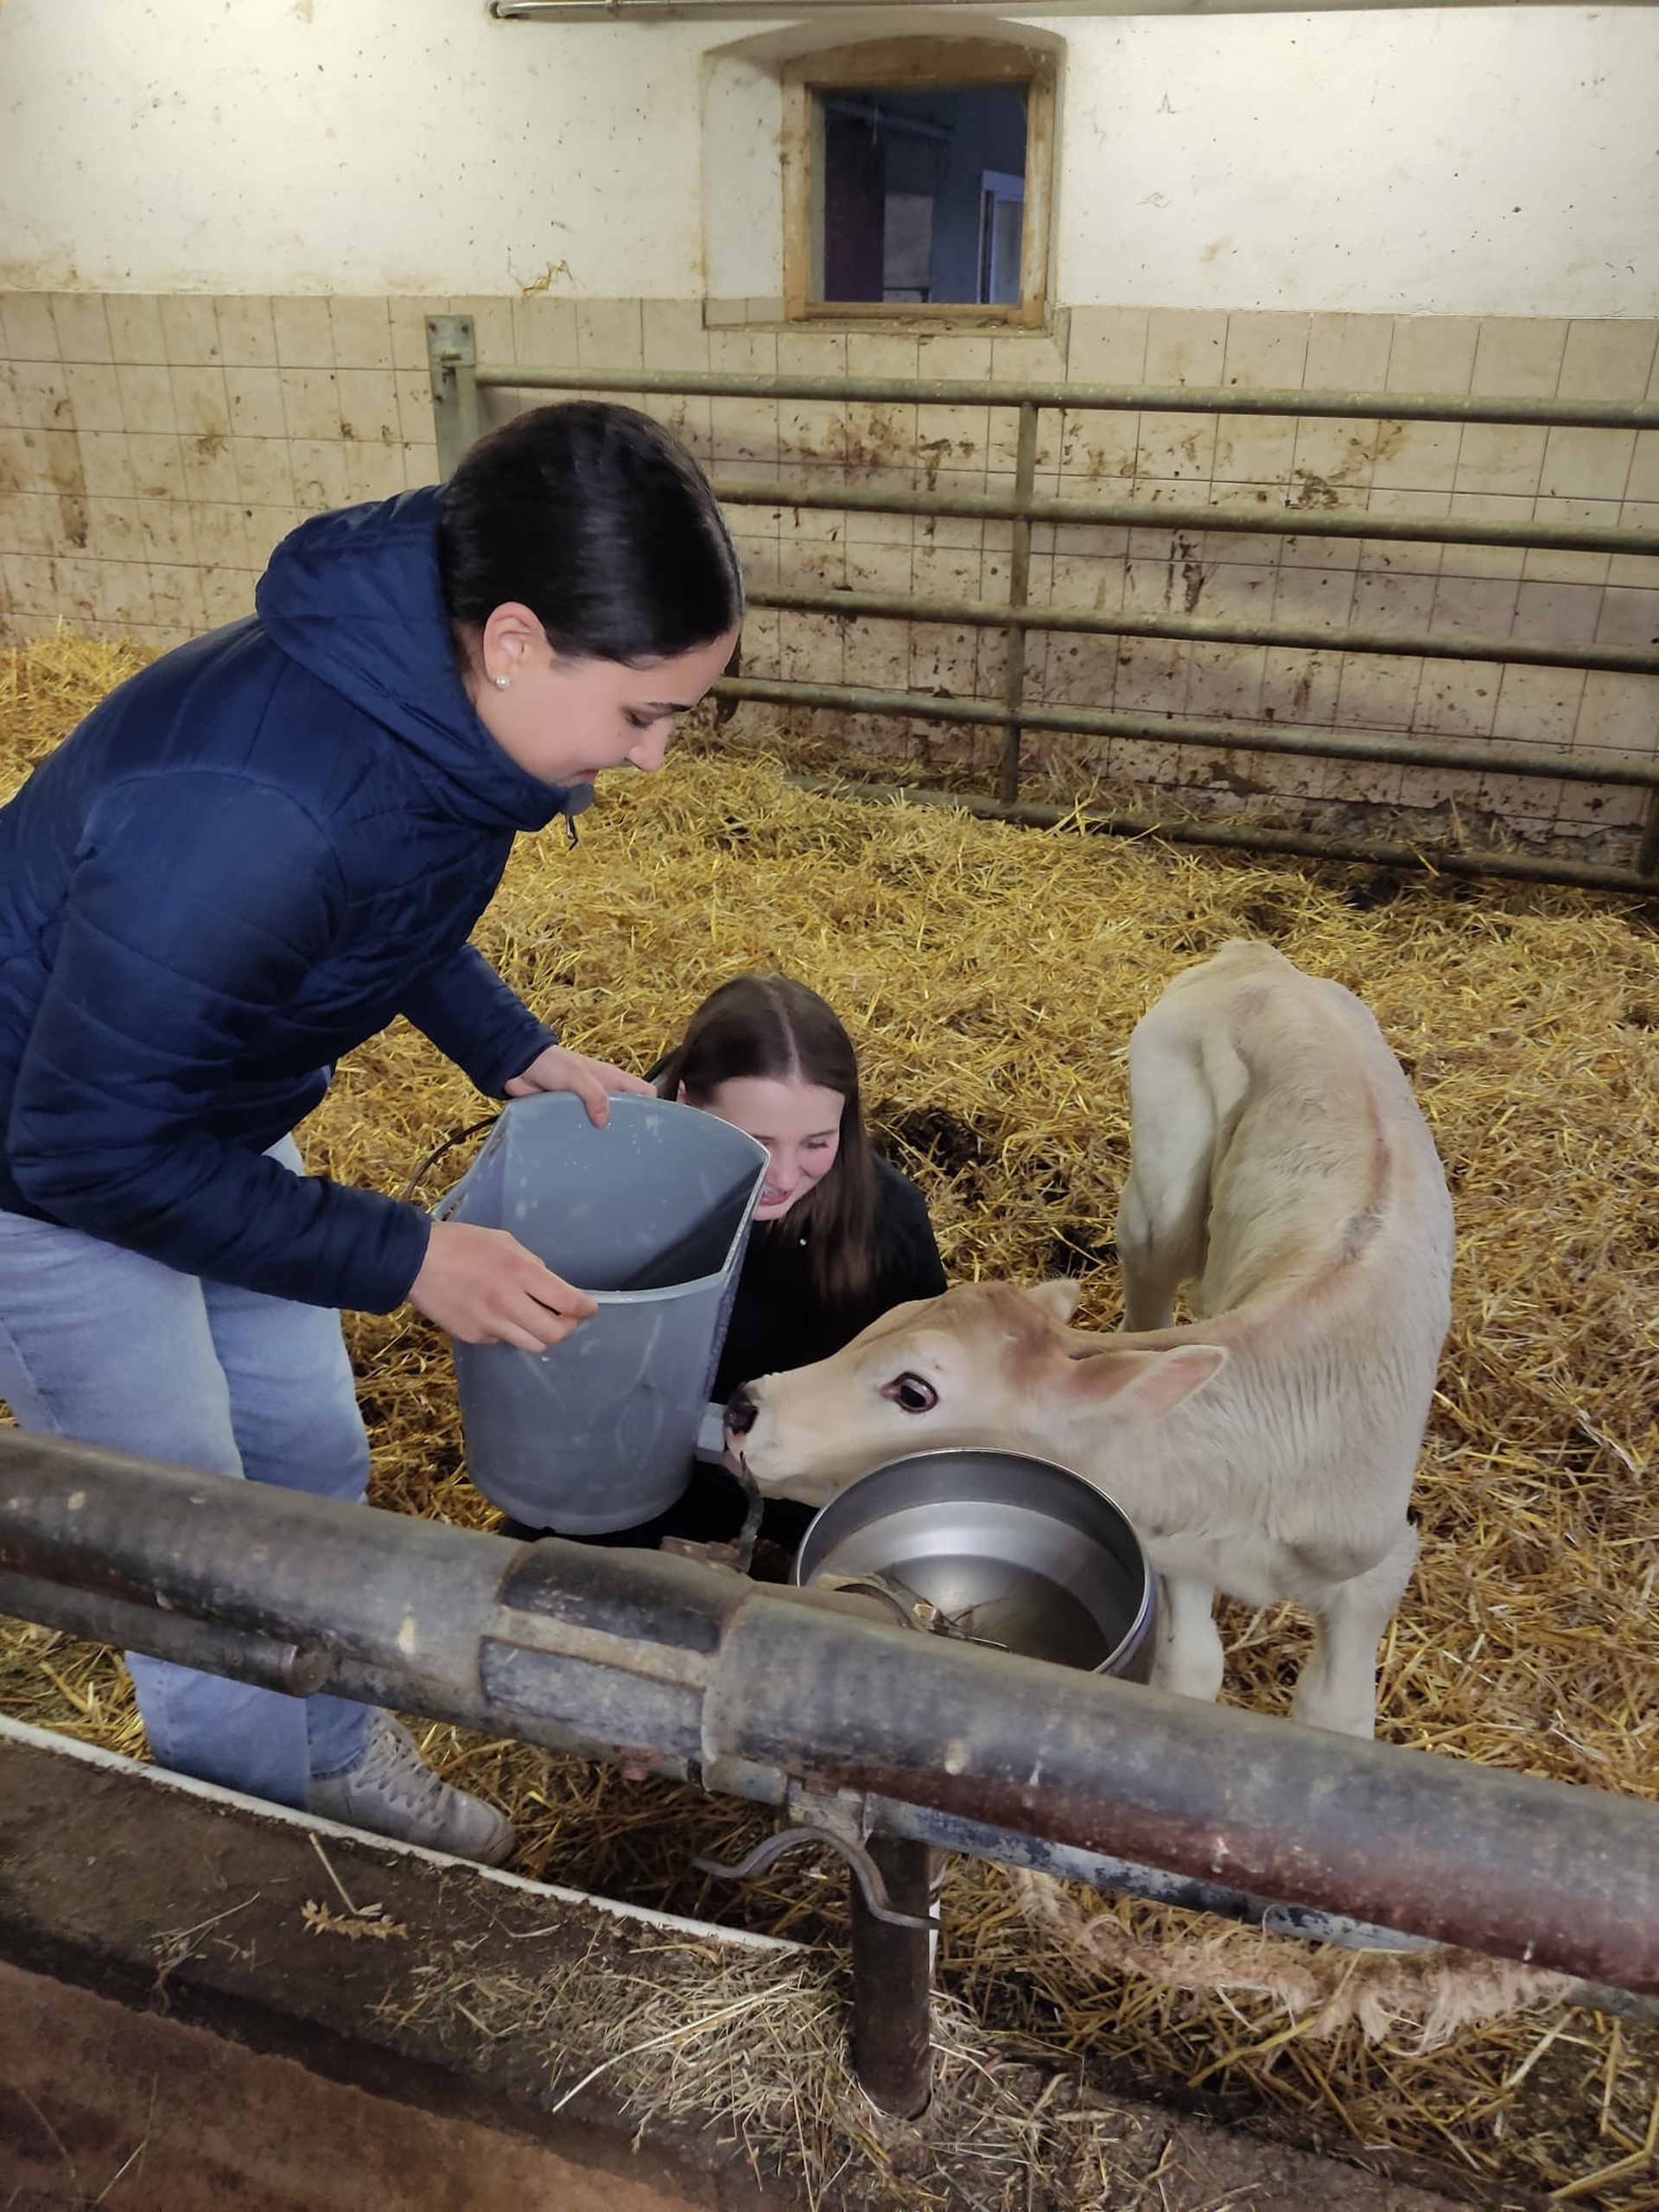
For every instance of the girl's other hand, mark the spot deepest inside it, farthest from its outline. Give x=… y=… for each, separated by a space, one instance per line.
x=485 y=1288
x=593 y=1081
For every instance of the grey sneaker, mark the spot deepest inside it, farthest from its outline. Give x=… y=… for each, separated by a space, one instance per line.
x=392 y=1791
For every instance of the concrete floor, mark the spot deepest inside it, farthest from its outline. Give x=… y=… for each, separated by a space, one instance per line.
x=103 y=2106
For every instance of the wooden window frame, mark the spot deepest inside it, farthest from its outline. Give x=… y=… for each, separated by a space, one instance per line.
x=884 y=64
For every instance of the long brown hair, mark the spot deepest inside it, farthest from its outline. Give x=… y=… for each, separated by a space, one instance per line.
x=774 y=1028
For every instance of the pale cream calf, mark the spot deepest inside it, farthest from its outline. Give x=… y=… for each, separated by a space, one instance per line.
x=1281 y=1169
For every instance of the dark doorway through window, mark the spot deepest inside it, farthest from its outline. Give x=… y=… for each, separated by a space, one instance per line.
x=923 y=194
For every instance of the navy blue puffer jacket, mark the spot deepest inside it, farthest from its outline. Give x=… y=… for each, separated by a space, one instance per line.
x=246 y=861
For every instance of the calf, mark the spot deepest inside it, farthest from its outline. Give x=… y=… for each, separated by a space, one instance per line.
x=1280 y=1167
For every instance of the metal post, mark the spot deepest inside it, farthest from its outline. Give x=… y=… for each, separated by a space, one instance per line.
x=1014 y=685
x=1647 y=856
x=452 y=356
x=892 y=1973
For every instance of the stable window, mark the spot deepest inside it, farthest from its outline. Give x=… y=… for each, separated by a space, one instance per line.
x=917 y=176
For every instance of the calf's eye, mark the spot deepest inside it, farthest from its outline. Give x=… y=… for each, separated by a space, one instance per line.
x=910 y=1394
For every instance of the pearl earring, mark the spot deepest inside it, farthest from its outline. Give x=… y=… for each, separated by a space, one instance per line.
x=500 y=683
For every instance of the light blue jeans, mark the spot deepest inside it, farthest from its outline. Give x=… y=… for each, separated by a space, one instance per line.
x=109 y=1348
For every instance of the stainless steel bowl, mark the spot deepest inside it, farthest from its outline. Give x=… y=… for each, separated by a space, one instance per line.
x=998 y=1548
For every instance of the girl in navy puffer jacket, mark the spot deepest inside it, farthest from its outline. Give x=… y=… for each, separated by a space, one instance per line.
x=248 y=860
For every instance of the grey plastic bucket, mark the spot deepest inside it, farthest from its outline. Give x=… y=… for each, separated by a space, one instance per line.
x=650 y=1214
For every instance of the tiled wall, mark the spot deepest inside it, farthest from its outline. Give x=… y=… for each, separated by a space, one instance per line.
x=152 y=451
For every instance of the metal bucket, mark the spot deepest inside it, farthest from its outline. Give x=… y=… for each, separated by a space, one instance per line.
x=650 y=1214
x=998 y=1548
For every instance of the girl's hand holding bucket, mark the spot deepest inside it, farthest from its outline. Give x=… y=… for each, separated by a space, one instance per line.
x=485 y=1288
x=593 y=1081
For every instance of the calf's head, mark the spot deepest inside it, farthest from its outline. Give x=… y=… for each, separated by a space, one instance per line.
x=986 y=1364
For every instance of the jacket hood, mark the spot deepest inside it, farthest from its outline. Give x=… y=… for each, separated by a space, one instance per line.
x=354 y=597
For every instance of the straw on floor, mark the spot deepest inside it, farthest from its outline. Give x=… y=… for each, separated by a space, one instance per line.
x=992 y=977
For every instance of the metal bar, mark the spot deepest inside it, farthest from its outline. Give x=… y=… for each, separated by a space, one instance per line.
x=630 y=1652
x=1647 y=856
x=1128 y=514
x=1014 y=682
x=1223 y=736
x=1152 y=399
x=857 y=14
x=988 y=613
x=892 y=1973
x=1435 y=1847
x=191 y=1642
x=452 y=358
x=947 y=1832
x=1521 y=867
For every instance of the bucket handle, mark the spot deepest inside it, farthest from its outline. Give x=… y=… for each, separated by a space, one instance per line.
x=455 y=1137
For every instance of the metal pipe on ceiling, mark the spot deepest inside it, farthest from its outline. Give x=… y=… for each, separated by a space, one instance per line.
x=972 y=12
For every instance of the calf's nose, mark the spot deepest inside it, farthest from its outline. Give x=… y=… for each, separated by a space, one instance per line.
x=740 y=1411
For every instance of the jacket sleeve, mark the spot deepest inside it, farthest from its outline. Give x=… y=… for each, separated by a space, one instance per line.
x=476 y=1020
x=198 y=903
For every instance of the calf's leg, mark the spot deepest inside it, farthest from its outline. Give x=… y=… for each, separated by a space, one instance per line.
x=1187 y=1654
x=1337 y=1688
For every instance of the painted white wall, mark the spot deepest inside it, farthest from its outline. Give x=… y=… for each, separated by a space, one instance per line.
x=1482 y=161
x=356 y=146
x=1495 y=161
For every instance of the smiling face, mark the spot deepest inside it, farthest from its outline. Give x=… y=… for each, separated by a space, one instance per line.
x=564 y=721
x=798 y=1122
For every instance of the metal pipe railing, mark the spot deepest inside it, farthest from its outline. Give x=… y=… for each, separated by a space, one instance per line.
x=1247 y=837
x=992 y=614
x=1141 y=399
x=458 y=379
x=755 y=1690
x=1216 y=734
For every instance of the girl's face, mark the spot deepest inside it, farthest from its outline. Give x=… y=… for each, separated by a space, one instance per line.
x=563 y=720
x=798 y=1122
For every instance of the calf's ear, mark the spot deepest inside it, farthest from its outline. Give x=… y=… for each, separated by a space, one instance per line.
x=1057 y=1298
x=1146 y=1384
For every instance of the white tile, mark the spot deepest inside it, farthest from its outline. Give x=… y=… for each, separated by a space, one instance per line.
x=255 y=399
x=304 y=333
x=368 y=404
x=610 y=334
x=136 y=333
x=1266 y=350
x=1184 y=345
x=26 y=323
x=1518 y=357
x=1608 y=360
x=1347 y=352
x=94 y=396
x=83 y=329
x=201 y=403
x=1557 y=615
x=1630 y=618
x=247 y=335
x=1501 y=457
x=190 y=330
x=1538 y=706
x=310 y=403
x=1415 y=456
x=1432 y=354
x=1619 y=712
x=362 y=332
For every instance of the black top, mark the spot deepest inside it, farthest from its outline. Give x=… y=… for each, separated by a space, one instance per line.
x=779 y=1319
